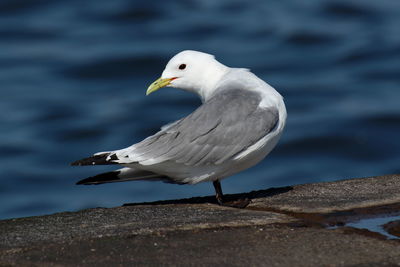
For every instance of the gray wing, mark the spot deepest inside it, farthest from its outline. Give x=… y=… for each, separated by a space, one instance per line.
x=224 y=126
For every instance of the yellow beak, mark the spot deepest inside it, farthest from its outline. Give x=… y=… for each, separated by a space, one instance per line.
x=160 y=83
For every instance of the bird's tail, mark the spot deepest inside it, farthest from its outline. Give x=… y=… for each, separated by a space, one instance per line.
x=121 y=175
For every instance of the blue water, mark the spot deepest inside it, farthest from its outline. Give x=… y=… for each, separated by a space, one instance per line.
x=74 y=74
x=375 y=225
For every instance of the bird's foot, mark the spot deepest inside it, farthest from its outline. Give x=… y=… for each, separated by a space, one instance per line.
x=239 y=203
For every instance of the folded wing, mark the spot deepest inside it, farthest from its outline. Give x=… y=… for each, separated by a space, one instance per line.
x=221 y=128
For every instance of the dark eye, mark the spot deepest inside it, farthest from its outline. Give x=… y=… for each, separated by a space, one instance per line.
x=182 y=66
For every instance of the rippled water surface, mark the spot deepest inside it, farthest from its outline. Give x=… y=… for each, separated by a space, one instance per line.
x=74 y=73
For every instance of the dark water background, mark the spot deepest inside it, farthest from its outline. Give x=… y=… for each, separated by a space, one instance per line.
x=73 y=76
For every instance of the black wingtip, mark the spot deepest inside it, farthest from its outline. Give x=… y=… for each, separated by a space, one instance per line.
x=101 y=159
x=81 y=182
x=107 y=177
x=76 y=163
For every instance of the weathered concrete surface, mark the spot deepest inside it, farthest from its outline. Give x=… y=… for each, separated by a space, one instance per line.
x=272 y=245
x=393 y=228
x=336 y=196
x=133 y=220
x=278 y=229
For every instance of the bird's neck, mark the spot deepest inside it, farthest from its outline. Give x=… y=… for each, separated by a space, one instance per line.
x=211 y=77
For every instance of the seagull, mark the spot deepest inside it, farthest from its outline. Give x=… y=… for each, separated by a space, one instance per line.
x=238 y=124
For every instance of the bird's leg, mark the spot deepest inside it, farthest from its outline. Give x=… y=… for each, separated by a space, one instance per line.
x=218 y=192
x=241 y=203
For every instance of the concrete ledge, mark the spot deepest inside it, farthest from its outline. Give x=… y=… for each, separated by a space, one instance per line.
x=336 y=196
x=281 y=227
x=133 y=220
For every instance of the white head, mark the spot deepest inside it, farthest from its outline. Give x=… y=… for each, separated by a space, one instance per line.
x=191 y=71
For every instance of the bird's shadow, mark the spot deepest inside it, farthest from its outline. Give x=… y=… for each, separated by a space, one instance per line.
x=211 y=199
